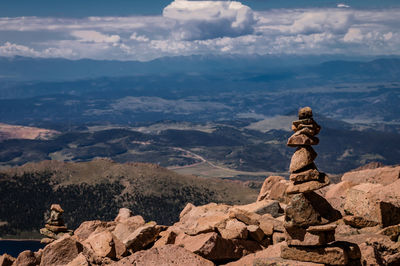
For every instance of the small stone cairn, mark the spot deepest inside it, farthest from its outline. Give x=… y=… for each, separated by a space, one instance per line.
x=54 y=227
x=310 y=233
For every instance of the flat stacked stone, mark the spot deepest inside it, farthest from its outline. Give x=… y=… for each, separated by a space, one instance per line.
x=310 y=234
x=55 y=226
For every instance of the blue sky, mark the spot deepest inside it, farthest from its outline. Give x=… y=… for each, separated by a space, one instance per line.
x=144 y=30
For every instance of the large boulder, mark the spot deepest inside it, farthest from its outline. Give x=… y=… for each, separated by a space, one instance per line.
x=234 y=229
x=127 y=225
x=201 y=219
x=61 y=251
x=102 y=244
x=336 y=194
x=213 y=247
x=165 y=255
x=88 y=227
x=375 y=202
x=26 y=258
x=383 y=175
x=142 y=237
x=274 y=188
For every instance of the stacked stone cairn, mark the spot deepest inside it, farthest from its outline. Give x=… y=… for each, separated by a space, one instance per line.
x=55 y=227
x=309 y=227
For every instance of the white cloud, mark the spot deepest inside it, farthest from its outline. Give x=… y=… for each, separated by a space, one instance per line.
x=199 y=20
x=94 y=36
x=204 y=27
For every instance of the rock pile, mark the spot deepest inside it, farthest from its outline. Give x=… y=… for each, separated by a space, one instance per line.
x=310 y=233
x=55 y=227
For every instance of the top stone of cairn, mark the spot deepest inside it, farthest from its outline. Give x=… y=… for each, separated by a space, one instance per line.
x=305 y=113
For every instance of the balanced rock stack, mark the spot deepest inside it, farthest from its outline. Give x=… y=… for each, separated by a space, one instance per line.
x=54 y=227
x=310 y=233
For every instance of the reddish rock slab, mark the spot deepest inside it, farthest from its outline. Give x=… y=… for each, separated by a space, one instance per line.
x=249 y=218
x=302 y=140
x=127 y=226
x=358 y=222
x=61 y=251
x=56 y=228
x=324 y=255
x=88 y=227
x=336 y=194
x=381 y=175
x=80 y=260
x=213 y=247
x=271 y=207
x=142 y=237
x=102 y=244
x=234 y=229
x=167 y=237
x=302 y=157
x=274 y=188
x=306 y=175
x=308 y=186
x=165 y=255
x=26 y=258
x=393 y=232
x=302 y=237
x=300 y=212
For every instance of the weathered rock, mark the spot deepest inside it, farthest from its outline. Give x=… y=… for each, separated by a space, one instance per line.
x=186 y=210
x=47 y=240
x=306 y=175
x=48 y=233
x=142 y=237
x=120 y=248
x=208 y=224
x=326 y=255
x=274 y=188
x=234 y=229
x=123 y=214
x=56 y=207
x=359 y=204
x=80 y=260
x=301 y=158
x=166 y=237
x=270 y=224
x=305 y=113
x=369 y=255
x=381 y=175
x=165 y=255
x=26 y=258
x=393 y=232
x=271 y=207
x=102 y=243
x=302 y=140
x=301 y=213
x=61 y=251
x=323 y=207
x=56 y=228
x=358 y=222
x=308 y=186
x=191 y=214
x=128 y=226
x=336 y=194
x=301 y=237
x=278 y=237
x=249 y=218
x=255 y=233
x=213 y=247
x=6 y=260
x=88 y=227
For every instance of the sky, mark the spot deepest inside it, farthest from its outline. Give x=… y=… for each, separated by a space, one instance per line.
x=145 y=30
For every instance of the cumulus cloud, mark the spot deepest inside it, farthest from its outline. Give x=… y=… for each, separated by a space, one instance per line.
x=199 y=20
x=205 y=27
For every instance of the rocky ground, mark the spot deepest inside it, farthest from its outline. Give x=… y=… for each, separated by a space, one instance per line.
x=366 y=201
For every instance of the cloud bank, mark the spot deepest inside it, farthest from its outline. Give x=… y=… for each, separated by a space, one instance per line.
x=205 y=27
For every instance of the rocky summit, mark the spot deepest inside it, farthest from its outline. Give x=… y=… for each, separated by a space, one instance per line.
x=304 y=221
